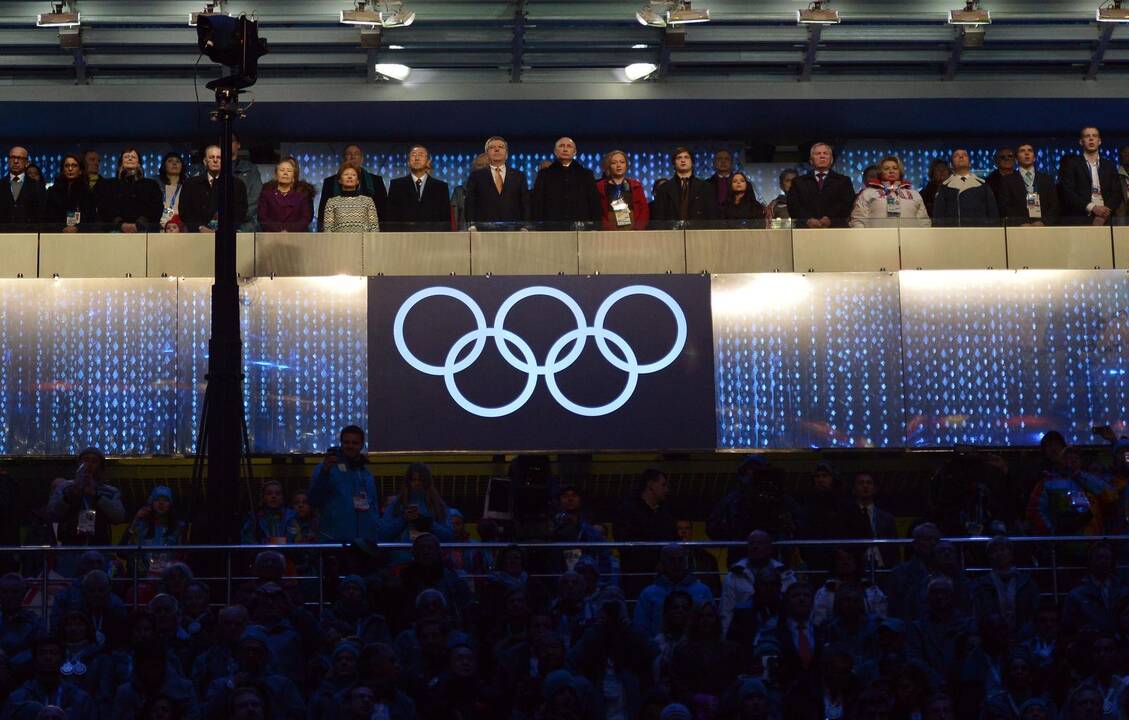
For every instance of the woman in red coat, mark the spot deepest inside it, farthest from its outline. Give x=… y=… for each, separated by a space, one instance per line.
x=622 y=199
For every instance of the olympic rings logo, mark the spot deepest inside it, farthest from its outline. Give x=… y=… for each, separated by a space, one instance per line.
x=557 y=359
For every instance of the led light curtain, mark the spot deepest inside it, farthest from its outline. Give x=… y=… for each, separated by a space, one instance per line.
x=918 y=359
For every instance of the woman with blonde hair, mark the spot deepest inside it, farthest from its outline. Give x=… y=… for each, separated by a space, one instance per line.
x=889 y=200
x=622 y=200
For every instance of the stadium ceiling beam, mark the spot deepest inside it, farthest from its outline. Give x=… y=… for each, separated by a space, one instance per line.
x=1100 y=50
x=518 y=49
x=814 y=34
x=955 y=53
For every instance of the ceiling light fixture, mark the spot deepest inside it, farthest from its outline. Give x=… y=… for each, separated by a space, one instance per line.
x=818 y=13
x=393 y=70
x=210 y=9
x=972 y=14
x=1112 y=12
x=374 y=13
x=684 y=15
x=62 y=15
x=670 y=12
x=638 y=71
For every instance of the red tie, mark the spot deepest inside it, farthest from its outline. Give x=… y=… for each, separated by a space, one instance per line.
x=803 y=646
x=819 y=179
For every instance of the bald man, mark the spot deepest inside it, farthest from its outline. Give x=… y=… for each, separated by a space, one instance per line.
x=22 y=200
x=565 y=192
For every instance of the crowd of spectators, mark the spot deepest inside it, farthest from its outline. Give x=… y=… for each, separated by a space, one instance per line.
x=453 y=627
x=1086 y=189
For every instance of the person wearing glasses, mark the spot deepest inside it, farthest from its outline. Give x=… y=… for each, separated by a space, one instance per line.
x=1005 y=166
x=22 y=199
x=70 y=204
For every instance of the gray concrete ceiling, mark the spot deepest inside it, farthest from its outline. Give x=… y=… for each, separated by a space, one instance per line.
x=575 y=46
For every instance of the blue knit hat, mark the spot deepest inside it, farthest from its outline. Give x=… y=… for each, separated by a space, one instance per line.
x=347 y=647
x=161 y=491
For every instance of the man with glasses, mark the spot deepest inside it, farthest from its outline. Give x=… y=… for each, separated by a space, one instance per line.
x=22 y=199
x=1005 y=167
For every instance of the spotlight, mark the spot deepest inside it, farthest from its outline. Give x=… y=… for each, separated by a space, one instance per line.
x=62 y=15
x=1112 y=12
x=638 y=71
x=210 y=9
x=818 y=14
x=972 y=14
x=653 y=14
x=393 y=71
x=383 y=13
x=671 y=12
x=684 y=15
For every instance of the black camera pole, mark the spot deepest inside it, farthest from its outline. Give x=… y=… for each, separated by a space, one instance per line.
x=222 y=436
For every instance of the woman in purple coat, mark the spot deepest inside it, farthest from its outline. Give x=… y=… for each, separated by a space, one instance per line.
x=286 y=203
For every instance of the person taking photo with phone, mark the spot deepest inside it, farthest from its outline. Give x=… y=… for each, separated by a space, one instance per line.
x=344 y=491
x=86 y=507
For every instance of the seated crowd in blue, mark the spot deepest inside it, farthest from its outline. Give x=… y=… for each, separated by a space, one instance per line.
x=455 y=625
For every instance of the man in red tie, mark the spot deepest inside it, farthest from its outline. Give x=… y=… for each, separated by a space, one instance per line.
x=823 y=198
x=797 y=637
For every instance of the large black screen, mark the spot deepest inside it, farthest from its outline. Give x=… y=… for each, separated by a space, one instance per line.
x=520 y=363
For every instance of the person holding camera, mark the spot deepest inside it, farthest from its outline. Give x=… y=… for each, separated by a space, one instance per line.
x=86 y=507
x=344 y=492
x=417 y=509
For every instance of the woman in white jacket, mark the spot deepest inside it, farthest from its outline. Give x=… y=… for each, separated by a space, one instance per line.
x=889 y=201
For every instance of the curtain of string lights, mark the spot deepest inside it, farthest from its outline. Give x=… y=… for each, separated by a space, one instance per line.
x=910 y=359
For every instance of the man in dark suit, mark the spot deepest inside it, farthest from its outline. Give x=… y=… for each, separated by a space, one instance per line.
x=865 y=520
x=371 y=185
x=723 y=173
x=496 y=193
x=565 y=192
x=22 y=200
x=1090 y=187
x=685 y=197
x=418 y=201
x=823 y=198
x=199 y=200
x=1027 y=196
x=799 y=640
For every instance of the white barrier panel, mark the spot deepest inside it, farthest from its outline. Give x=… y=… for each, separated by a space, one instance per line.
x=739 y=251
x=92 y=255
x=845 y=250
x=308 y=254
x=632 y=253
x=523 y=253
x=953 y=248
x=19 y=255
x=1121 y=247
x=405 y=253
x=194 y=254
x=1060 y=248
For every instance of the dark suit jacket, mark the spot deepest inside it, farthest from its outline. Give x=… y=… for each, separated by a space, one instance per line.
x=1075 y=184
x=835 y=201
x=405 y=209
x=565 y=195
x=721 y=188
x=485 y=205
x=857 y=525
x=371 y=185
x=26 y=212
x=1013 y=199
x=701 y=208
x=792 y=670
x=199 y=202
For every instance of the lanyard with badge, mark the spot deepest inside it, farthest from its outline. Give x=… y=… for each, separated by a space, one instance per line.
x=893 y=208
x=619 y=206
x=167 y=213
x=1095 y=184
x=1034 y=203
x=87 y=515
